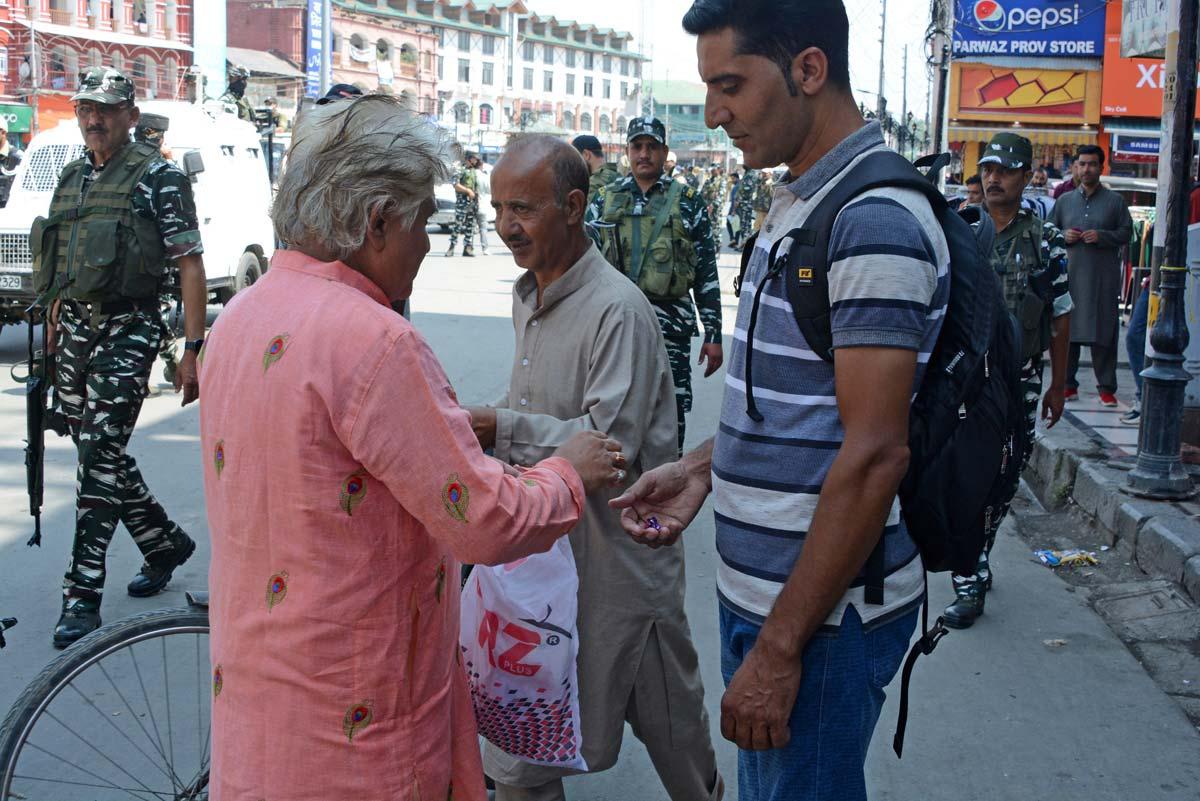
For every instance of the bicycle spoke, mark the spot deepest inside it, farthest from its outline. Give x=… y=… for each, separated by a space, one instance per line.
x=118 y=730
x=150 y=710
x=136 y=718
x=167 y=696
x=99 y=753
x=106 y=785
x=132 y=790
x=202 y=678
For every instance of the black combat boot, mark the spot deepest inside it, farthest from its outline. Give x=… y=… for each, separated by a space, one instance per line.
x=450 y=251
x=469 y=252
x=153 y=577
x=78 y=620
x=967 y=607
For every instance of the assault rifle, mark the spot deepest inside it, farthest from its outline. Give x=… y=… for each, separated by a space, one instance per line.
x=37 y=391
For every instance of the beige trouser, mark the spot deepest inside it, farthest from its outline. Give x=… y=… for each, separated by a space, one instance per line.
x=688 y=771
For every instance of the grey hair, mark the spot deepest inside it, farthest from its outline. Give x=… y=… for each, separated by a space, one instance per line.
x=352 y=158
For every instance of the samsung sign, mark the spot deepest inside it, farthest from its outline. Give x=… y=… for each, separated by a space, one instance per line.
x=1039 y=28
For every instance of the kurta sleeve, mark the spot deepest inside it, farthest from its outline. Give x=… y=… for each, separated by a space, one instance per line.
x=404 y=425
x=613 y=402
x=1119 y=236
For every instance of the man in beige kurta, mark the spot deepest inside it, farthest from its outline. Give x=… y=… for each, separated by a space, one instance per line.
x=590 y=355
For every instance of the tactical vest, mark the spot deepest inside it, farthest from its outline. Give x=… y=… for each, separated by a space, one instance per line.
x=649 y=242
x=1017 y=259
x=469 y=179
x=96 y=248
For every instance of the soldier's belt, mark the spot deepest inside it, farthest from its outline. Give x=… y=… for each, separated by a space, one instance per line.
x=108 y=308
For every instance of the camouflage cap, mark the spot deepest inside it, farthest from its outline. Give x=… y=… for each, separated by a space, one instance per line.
x=646 y=126
x=237 y=71
x=1008 y=150
x=104 y=85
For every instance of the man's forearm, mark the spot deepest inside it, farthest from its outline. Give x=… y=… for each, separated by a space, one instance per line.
x=849 y=520
x=1060 y=346
x=194 y=289
x=699 y=462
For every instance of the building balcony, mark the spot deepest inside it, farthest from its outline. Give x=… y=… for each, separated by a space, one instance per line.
x=167 y=21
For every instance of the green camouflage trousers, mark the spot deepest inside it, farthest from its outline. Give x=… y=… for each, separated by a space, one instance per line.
x=167 y=348
x=466 y=210
x=679 y=354
x=981 y=579
x=103 y=369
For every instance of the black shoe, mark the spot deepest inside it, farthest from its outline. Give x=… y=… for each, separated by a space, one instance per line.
x=965 y=610
x=469 y=253
x=152 y=578
x=450 y=251
x=76 y=622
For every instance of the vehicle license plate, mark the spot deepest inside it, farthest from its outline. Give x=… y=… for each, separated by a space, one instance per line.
x=10 y=282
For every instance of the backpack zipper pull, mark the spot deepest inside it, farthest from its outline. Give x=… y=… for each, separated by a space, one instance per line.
x=987 y=372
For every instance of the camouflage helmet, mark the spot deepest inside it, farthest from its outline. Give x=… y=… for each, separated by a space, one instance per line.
x=104 y=85
x=238 y=72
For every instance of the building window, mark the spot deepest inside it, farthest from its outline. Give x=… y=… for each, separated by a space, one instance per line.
x=608 y=90
x=441 y=35
x=464 y=41
x=282 y=89
x=527 y=83
x=441 y=67
x=485 y=114
x=570 y=84
x=604 y=123
x=624 y=90
x=548 y=81
x=464 y=70
x=407 y=54
x=608 y=63
x=547 y=54
x=568 y=121
x=587 y=86
x=488 y=73
x=585 y=122
x=527 y=51
x=570 y=58
x=462 y=112
x=489 y=45
x=589 y=61
x=624 y=66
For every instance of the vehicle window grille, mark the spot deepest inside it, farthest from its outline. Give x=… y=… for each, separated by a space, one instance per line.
x=45 y=165
x=14 y=253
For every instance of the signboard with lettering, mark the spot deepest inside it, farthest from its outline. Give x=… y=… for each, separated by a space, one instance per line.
x=1133 y=87
x=1034 y=28
x=315 y=44
x=18 y=116
x=1143 y=28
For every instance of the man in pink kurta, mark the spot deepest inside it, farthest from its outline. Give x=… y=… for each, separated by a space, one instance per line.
x=344 y=485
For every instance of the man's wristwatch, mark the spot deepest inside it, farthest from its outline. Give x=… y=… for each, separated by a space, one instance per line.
x=193 y=345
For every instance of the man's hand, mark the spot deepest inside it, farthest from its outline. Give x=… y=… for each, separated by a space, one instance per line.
x=51 y=323
x=483 y=423
x=661 y=504
x=759 y=700
x=471 y=194
x=714 y=355
x=596 y=457
x=1072 y=235
x=187 y=379
x=1052 y=405
x=1091 y=237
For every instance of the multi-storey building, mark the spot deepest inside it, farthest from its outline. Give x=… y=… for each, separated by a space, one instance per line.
x=50 y=41
x=375 y=52
x=501 y=68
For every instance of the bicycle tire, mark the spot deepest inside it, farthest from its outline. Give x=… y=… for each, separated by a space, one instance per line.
x=46 y=686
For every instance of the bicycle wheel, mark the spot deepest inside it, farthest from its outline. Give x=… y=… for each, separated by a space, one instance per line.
x=122 y=714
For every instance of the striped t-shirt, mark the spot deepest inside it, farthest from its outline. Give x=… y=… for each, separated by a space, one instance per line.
x=889 y=282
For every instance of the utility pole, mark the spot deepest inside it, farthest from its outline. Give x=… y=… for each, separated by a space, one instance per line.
x=928 y=103
x=326 y=45
x=882 y=104
x=939 y=55
x=905 y=135
x=1159 y=472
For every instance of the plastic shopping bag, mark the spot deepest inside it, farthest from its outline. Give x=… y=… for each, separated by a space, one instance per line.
x=519 y=644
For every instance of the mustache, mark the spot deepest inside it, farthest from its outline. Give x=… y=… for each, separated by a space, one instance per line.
x=97 y=129
x=515 y=242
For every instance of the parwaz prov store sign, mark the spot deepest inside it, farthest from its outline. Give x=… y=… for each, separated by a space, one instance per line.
x=1035 y=28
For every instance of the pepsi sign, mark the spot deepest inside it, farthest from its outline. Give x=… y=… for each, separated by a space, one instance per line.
x=1035 y=28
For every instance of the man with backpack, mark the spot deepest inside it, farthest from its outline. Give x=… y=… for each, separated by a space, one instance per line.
x=1030 y=256
x=819 y=580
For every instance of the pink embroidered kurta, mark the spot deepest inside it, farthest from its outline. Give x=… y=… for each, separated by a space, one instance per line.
x=344 y=485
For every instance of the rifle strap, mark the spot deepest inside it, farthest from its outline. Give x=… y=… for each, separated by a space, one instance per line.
x=660 y=221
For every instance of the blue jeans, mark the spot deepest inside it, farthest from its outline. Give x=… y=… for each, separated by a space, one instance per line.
x=1135 y=338
x=841 y=694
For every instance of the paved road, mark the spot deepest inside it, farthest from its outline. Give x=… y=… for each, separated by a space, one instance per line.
x=996 y=713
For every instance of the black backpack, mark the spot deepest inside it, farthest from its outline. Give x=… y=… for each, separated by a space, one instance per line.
x=967 y=434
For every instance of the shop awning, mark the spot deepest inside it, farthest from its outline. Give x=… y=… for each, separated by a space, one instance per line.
x=1038 y=136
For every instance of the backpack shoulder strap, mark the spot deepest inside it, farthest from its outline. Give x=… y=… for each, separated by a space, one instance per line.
x=747 y=252
x=806 y=275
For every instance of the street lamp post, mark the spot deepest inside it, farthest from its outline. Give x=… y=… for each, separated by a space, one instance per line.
x=1159 y=472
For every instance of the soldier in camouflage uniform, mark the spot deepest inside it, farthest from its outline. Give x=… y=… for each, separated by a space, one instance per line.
x=657 y=232
x=466 y=205
x=746 y=192
x=118 y=215
x=151 y=129
x=1031 y=258
x=602 y=173
x=235 y=92
x=713 y=194
x=762 y=199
